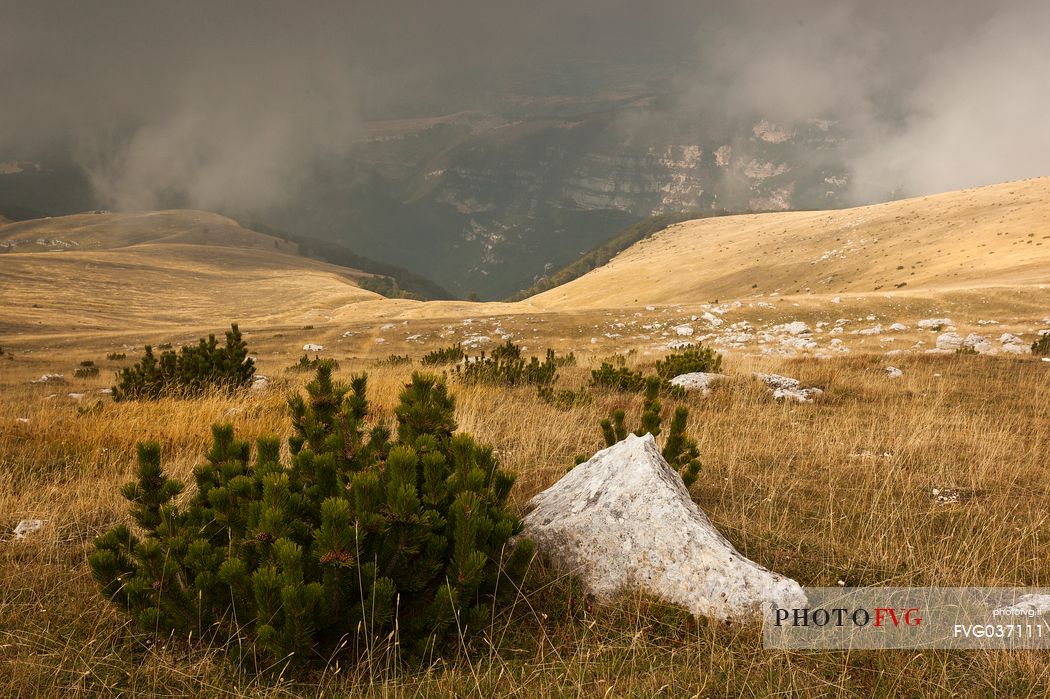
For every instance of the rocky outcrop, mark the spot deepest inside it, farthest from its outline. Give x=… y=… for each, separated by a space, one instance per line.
x=698 y=381
x=785 y=387
x=624 y=520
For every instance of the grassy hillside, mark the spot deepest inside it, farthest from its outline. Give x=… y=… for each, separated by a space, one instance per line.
x=978 y=238
x=600 y=255
x=106 y=272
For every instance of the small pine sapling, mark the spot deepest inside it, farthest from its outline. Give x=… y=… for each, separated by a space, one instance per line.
x=692 y=359
x=680 y=451
x=1041 y=347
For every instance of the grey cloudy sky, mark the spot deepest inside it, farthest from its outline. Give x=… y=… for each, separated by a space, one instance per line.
x=226 y=103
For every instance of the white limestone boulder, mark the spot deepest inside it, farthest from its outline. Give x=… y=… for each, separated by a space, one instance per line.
x=714 y=320
x=313 y=347
x=949 y=341
x=785 y=387
x=979 y=344
x=624 y=520
x=1011 y=344
x=796 y=327
x=1034 y=605
x=701 y=381
x=50 y=378
x=26 y=527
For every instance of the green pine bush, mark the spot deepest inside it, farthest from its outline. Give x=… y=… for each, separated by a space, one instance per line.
x=84 y=372
x=444 y=355
x=1041 y=347
x=565 y=398
x=395 y=360
x=306 y=364
x=191 y=371
x=694 y=358
x=357 y=540
x=680 y=451
x=618 y=378
x=565 y=360
x=506 y=367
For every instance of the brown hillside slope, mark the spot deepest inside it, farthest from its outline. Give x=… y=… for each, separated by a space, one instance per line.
x=99 y=272
x=996 y=236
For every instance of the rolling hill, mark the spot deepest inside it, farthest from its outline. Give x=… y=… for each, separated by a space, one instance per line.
x=109 y=271
x=981 y=253
x=995 y=236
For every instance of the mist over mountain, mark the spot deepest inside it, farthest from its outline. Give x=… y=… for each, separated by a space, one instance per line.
x=482 y=143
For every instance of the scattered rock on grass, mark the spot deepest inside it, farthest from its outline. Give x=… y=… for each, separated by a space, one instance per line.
x=28 y=526
x=950 y=341
x=698 y=381
x=796 y=327
x=1036 y=604
x=786 y=387
x=1011 y=344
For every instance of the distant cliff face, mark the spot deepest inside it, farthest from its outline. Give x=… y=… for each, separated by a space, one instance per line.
x=484 y=204
x=490 y=204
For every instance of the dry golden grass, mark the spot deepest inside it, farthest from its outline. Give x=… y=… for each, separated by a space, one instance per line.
x=996 y=236
x=175 y=269
x=837 y=490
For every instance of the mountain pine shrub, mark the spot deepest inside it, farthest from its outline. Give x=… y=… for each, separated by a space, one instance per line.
x=83 y=372
x=192 y=370
x=565 y=360
x=618 y=378
x=679 y=450
x=357 y=539
x=1041 y=347
x=694 y=358
x=395 y=360
x=445 y=355
x=506 y=367
x=307 y=364
x=565 y=398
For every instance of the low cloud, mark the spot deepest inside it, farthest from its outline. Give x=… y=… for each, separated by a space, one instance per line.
x=934 y=96
x=229 y=104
